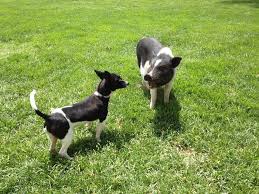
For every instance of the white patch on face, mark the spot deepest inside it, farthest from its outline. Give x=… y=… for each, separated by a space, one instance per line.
x=156 y=64
x=143 y=70
x=166 y=51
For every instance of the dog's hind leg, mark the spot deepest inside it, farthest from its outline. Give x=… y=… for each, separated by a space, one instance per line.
x=66 y=143
x=99 y=128
x=53 y=142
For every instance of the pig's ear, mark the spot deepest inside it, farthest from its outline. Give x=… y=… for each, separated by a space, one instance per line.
x=175 y=61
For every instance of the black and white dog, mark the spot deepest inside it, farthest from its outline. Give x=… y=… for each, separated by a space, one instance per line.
x=157 y=67
x=60 y=123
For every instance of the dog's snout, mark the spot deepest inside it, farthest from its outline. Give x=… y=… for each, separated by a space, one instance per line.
x=124 y=84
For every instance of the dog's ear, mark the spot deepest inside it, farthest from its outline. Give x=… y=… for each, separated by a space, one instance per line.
x=175 y=61
x=147 y=78
x=103 y=75
x=107 y=74
x=100 y=74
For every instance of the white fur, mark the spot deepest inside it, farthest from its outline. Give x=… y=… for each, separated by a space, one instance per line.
x=32 y=100
x=153 y=93
x=99 y=128
x=156 y=64
x=165 y=50
x=167 y=90
x=96 y=93
x=66 y=143
x=143 y=70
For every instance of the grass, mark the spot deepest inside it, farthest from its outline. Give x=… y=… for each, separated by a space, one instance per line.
x=204 y=141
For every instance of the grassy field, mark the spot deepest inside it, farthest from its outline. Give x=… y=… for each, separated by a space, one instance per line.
x=204 y=141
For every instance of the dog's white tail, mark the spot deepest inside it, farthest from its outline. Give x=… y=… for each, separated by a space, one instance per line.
x=33 y=105
x=32 y=100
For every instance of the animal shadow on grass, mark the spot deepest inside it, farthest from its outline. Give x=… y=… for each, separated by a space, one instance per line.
x=87 y=145
x=167 y=116
x=252 y=3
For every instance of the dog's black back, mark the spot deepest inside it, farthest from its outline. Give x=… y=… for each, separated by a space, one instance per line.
x=92 y=108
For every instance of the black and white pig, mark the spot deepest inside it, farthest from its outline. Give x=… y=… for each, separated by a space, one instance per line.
x=157 y=67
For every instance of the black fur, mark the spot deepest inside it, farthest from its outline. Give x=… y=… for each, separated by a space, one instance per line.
x=57 y=125
x=92 y=108
x=44 y=116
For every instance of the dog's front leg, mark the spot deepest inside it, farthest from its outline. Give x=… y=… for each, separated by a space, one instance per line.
x=167 y=91
x=99 y=128
x=153 y=93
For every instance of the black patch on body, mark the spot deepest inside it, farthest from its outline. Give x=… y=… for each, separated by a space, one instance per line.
x=57 y=125
x=92 y=108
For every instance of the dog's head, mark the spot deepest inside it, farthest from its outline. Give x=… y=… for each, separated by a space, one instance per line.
x=112 y=80
x=161 y=70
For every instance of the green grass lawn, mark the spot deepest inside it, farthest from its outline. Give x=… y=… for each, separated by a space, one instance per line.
x=204 y=141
